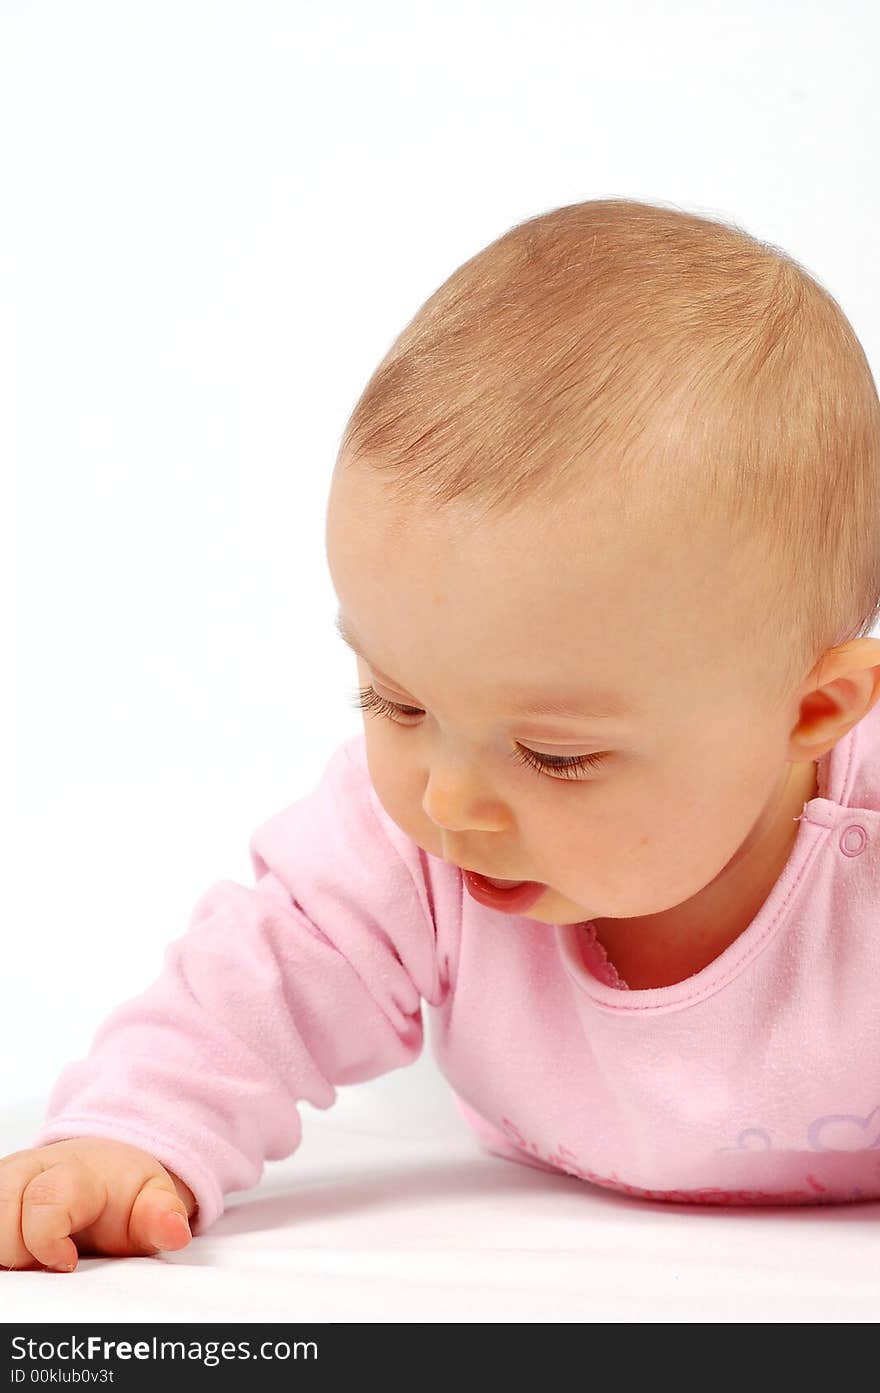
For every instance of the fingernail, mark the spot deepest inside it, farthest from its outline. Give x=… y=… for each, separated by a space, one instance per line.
x=165 y=1247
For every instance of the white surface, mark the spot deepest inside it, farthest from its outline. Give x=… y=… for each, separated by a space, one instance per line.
x=389 y=1211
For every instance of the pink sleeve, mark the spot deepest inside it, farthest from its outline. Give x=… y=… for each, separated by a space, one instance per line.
x=312 y=978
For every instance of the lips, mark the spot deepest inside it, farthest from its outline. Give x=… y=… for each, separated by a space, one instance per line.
x=517 y=898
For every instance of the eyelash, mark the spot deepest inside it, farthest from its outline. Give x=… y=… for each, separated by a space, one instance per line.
x=368 y=699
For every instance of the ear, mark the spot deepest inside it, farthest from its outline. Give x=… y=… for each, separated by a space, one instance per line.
x=841 y=689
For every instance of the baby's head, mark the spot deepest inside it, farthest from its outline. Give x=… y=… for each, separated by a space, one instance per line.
x=624 y=463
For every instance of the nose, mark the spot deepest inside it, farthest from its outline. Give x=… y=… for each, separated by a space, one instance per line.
x=457 y=799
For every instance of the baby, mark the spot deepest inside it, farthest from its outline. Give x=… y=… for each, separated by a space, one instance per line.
x=604 y=529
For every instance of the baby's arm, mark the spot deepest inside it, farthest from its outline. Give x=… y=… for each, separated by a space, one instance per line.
x=277 y=993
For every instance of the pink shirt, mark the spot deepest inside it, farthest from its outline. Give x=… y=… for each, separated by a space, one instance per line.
x=757 y=1080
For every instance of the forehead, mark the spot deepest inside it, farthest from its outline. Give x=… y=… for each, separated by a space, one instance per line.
x=425 y=597
x=565 y=700
x=540 y=604
x=521 y=575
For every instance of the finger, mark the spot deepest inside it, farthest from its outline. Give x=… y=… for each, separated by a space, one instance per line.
x=14 y=1175
x=158 y=1217
x=62 y=1198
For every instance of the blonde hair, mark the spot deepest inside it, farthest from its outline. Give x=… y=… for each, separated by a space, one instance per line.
x=546 y=359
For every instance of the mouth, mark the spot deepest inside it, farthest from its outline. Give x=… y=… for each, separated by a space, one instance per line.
x=510 y=896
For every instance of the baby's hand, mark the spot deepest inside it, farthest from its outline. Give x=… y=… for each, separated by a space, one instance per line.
x=108 y=1196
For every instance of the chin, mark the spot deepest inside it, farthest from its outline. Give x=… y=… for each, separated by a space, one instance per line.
x=568 y=912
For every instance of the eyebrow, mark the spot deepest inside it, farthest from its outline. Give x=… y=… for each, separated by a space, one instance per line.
x=530 y=701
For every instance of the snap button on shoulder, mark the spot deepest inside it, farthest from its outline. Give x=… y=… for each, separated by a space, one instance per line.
x=853 y=839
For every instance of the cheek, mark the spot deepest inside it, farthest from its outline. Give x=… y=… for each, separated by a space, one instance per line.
x=641 y=843
x=681 y=843
x=395 y=779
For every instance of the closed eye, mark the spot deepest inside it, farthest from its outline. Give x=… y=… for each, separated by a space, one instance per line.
x=569 y=766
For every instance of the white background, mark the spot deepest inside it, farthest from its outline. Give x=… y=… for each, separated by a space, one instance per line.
x=214 y=219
